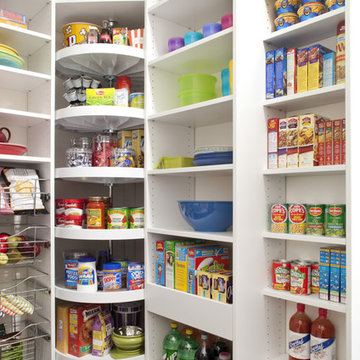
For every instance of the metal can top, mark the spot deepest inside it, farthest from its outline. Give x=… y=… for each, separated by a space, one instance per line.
x=281 y=261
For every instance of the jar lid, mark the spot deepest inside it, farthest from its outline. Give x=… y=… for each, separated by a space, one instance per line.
x=86 y=259
x=106 y=198
x=96 y=198
x=111 y=266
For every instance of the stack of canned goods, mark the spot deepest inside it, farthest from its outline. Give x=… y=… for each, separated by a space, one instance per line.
x=297 y=276
x=125 y=218
x=311 y=219
x=75 y=89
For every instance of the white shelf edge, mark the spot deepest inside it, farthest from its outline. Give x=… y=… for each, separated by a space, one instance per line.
x=105 y=297
x=311 y=300
x=192 y=170
x=226 y=237
x=336 y=169
x=25 y=72
x=183 y=109
x=305 y=238
x=97 y=235
x=184 y=49
x=91 y=1
x=25 y=113
x=25 y=159
x=61 y=356
x=27 y=32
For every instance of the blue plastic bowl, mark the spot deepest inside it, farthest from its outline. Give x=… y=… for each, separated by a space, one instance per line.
x=192 y=36
x=209 y=216
x=211 y=28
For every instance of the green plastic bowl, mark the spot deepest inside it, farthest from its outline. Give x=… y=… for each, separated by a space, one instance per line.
x=128 y=343
x=203 y=82
x=195 y=96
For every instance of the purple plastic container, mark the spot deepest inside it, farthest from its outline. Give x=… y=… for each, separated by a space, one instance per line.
x=227 y=21
x=175 y=43
x=211 y=28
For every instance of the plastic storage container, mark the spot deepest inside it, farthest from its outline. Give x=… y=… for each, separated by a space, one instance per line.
x=203 y=82
x=175 y=43
x=87 y=279
x=225 y=82
x=128 y=314
x=174 y=162
x=192 y=36
x=190 y=97
x=211 y=28
x=122 y=157
x=227 y=21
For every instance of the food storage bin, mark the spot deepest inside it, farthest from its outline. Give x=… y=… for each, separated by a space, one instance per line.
x=192 y=36
x=189 y=97
x=174 y=162
x=203 y=82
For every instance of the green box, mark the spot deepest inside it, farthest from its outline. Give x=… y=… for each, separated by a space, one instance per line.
x=100 y=96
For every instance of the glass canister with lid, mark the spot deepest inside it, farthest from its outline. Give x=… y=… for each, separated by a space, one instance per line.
x=102 y=145
x=80 y=153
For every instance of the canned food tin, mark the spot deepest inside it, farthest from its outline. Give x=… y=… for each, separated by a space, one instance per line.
x=118 y=218
x=335 y=220
x=76 y=222
x=136 y=218
x=60 y=220
x=59 y=206
x=315 y=278
x=300 y=278
x=315 y=216
x=281 y=275
x=297 y=219
x=137 y=100
x=279 y=218
x=71 y=269
x=74 y=207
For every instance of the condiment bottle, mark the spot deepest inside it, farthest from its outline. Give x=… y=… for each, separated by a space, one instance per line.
x=322 y=339
x=95 y=213
x=299 y=335
x=105 y=36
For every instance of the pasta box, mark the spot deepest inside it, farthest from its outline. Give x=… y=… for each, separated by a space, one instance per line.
x=337 y=139
x=280 y=72
x=321 y=141
x=270 y=74
x=282 y=143
x=291 y=71
x=329 y=131
x=343 y=142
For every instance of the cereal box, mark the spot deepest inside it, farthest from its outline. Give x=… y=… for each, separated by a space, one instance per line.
x=222 y=286
x=324 y=273
x=124 y=139
x=160 y=263
x=321 y=141
x=315 y=66
x=343 y=276
x=273 y=142
x=170 y=263
x=81 y=318
x=328 y=142
x=135 y=275
x=270 y=74
x=302 y=70
x=120 y=36
x=292 y=157
x=100 y=96
x=280 y=72
x=329 y=69
x=138 y=146
x=343 y=142
x=12 y=18
x=205 y=258
x=337 y=129
x=204 y=282
x=308 y=140
x=335 y=275
x=291 y=71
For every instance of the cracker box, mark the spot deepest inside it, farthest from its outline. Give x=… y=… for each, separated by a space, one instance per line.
x=335 y=275
x=270 y=74
x=81 y=318
x=135 y=275
x=282 y=134
x=337 y=135
x=302 y=70
x=124 y=139
x=204 y=282
x=343 y=142
x=205 y=258
x=280 y=72
x=315 y=66
x=308 y=140
x=329 y=142
x=292 y=157
x=160 y=277
x=138 y=146
x=282 y=158
x=343 y=276
x=329 y=69
x=321 y=141
x=222 y=287
x=273 y=142
x=292 y=136
x=324 y=281
x=12 y=18
x=100 y=96
x=291 y=71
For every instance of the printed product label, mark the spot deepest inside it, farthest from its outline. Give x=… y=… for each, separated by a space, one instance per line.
x=111 y=281
x=94 y=218
x=170 y=355
x=299 y=345
x=71 y=273
x=323 y=349
x=86 y=276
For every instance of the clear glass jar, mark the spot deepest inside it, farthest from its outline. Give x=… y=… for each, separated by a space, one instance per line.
x=123 y=157
x=103 y=145
x=78 y=157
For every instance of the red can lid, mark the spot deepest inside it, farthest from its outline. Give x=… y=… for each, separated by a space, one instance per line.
x=123 y=82
x=322 y=312
x=300 y=308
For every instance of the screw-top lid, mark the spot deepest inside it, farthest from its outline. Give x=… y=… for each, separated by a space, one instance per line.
x=204 y=337
x=300 y=308
x=189 y=331
x=102 y=253
x=174 y=325
x=322 y=312
x=95 y=198
x=224 y=356
x=112 y=266
x=85 y=259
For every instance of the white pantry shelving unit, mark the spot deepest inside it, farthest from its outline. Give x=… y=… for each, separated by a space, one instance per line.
x=98 y=235
x=60 y=356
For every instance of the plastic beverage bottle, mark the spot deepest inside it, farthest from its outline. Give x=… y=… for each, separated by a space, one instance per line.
x=188 y=347
x=299 y=335
x=171 y=343
x=105 y=36
x=224 y=356
x=203 y=352
x=102 y=259
x=218 y=347
x=322 y=341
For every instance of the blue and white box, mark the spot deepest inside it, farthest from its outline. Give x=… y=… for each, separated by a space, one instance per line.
x=270 y=74
x=335 y=275
x=329 y=69
x=343 y=276
x=280 y=72
x=324 y=282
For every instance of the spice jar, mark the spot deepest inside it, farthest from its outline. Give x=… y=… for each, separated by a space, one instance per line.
x=103 y=144
x=95 y=213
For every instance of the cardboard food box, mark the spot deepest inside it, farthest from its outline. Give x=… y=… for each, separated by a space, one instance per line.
x=324 y=281
x=282 y=143
x=170 y=263
x=302 y=70
x=273 y=143
x=335 y=275
x=100 y=96
x=343 y=276
x=138 y=146
x=124 y=139
x=315 y=66
x=343 y=143
x=329 y=69
x=321 y=141
x=292 y=136
x=135 y=275
x=337 y=138
x=270 y=74
x=81 y=318
x=291 y=71
x=282 y=158
x=12 y=18
x=280 y=72
x=160 y=274
x=292 y=157
x=62 y=328
x=308 y=140
x=222 y=286
x=120 y=36
x=329 y=142
x=204 y=282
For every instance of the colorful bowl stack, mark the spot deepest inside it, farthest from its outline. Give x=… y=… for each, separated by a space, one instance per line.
x=311 y=9
x=334 y=4
x=286 y=13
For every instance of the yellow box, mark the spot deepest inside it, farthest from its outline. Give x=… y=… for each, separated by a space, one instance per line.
x=124 y=139
x=9 y=22
x=204 y=282
x=138 y=146
x=100 y=96
x=302 y=70
x=315 y=66
x=222 y=286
